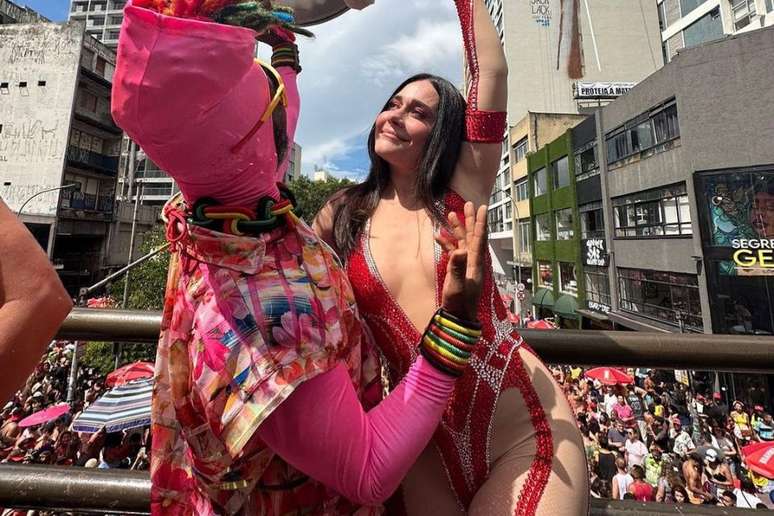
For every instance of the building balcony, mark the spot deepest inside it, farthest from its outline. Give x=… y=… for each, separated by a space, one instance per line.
x=95 y=161
x=79 y=205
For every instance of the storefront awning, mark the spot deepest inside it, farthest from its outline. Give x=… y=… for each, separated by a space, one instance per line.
x=566 y=306
x=543 y=297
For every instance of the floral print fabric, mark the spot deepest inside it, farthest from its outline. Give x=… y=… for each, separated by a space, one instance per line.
x=246 y=320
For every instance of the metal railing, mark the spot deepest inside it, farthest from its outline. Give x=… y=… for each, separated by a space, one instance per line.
x=128 y=492
x=733 y=353
x=93 y=491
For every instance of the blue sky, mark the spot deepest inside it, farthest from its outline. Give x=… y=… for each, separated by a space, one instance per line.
x=55 y=10
x=350 y=67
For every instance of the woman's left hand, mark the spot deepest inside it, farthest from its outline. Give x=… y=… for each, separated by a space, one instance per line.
x=467 y=247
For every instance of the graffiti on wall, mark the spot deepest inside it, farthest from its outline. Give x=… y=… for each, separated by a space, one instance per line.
x=31 y=140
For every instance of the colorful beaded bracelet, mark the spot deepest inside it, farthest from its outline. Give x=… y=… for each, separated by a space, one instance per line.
x=448 y=342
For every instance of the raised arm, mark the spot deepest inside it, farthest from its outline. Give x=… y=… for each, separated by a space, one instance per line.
x=189 y=92
x=485 y=118
x=33 y=302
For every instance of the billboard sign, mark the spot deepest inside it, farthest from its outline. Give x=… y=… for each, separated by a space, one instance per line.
x=601 y=90
x=741 y=220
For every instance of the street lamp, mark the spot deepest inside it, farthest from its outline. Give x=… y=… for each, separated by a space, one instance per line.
x=18 y=213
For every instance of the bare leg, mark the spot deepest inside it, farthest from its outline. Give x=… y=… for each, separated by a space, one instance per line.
x=513 y=451
x=426 y=488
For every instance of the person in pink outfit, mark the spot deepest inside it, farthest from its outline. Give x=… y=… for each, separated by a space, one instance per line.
x=263 y=360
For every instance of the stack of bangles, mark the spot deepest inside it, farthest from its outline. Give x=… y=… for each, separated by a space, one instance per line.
x=286 y=54
x=448 y=342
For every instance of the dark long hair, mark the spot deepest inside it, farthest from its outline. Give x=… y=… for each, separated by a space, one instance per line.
x=354 y=206
x=279 y=121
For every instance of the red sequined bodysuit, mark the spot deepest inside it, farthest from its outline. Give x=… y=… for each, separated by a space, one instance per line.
x=464 y=435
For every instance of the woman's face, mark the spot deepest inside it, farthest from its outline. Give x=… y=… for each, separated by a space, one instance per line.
x=679 y=498
x=404 y=127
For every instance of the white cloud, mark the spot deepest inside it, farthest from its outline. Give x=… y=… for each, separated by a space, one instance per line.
x=354 y=63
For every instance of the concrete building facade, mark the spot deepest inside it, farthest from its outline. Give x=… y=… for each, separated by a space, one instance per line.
x=13 y=13
x=551 y=45
x=674 y=197
x=556 y=51
x=57 y=134
x=686 y=23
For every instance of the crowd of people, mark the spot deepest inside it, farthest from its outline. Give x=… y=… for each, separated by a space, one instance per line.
x=659 y=440
x=54 y=442
x=654 y=440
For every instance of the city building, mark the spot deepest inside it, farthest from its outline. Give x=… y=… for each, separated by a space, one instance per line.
x=320 y=174
x=59 y=145
x=673 y=209
x=509 y=207
x=556 y=247
x=686 y=23
x=564 y=59
x=553 y=45
x=13 y=13
x=649 y=215
x=294 y=164
x=102 y=18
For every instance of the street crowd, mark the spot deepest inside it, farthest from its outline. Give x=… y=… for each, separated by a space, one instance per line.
x=653 y=440
x=658 y=440
x=54 y=442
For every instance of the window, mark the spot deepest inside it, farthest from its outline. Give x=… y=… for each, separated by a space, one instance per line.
x=687 y=6
x=586 y=164
x=41 y=83
x=659 y=212
x=540 y=182
x=707 y=28
x=743 y=12
x=542 y=228
x=545 y=274
x=525 y=246
x=597 y=287
x=567 y=281
x=665 y=124
x=770 y=5
x=644 y=134
x=495 y=220
x=560 y=170
x=88 y=101
x=592 y=221
x=508 y=210
x=665 y=296
x=564 y=224
x=520 y=150
x=522 y=190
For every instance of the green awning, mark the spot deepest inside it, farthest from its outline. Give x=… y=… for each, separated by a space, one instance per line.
x=543 y=297
x=565 y=306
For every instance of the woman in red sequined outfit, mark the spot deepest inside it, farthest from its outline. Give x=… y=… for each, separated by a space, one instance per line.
x=507 y=441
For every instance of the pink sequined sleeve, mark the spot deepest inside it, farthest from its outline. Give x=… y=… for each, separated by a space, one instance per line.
x=322 y=430
x=190 y=94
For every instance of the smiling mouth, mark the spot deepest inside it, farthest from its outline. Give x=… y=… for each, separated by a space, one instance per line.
x=393 y=136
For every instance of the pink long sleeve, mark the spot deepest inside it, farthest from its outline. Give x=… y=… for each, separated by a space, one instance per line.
x=322 y=430
x=188 y=91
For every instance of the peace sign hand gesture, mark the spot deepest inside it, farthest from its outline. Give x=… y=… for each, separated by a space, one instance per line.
x=467 y=247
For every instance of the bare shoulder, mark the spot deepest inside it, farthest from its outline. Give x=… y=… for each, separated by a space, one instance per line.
x=325 y=218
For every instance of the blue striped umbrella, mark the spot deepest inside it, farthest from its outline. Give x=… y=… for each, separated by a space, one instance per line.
x=126 y=406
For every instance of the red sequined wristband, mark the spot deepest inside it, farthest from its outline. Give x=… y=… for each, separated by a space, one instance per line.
x=485 y=126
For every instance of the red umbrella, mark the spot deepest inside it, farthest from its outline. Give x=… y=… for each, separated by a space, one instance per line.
x=45 y=415
x=609 y=376
x=759 y=458
x=541 y=324
x=128 y=373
